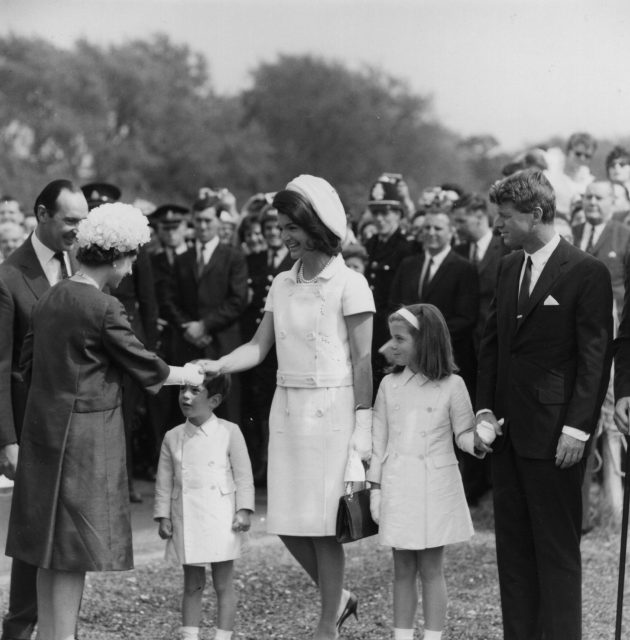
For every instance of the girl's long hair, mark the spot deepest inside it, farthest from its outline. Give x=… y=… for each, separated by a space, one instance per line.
x=433 y=349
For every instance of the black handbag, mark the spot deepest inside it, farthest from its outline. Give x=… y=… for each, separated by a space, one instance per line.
x=354 y=520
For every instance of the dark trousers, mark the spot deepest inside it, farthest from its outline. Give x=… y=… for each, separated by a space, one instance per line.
x=538 y=512
x=21 y=618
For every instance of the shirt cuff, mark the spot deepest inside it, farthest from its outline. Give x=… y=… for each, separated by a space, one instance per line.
x=483 y=411
x=578 y=434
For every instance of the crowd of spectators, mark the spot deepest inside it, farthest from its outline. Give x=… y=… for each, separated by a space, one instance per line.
x=199 y=288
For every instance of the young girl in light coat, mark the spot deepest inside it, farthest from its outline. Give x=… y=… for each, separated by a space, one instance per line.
x=417 y=491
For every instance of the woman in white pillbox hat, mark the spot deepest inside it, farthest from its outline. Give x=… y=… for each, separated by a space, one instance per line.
x=319 y=314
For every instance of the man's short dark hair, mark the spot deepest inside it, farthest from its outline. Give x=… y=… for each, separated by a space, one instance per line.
x=50 y=193
x=526 y=190
x=472 y=202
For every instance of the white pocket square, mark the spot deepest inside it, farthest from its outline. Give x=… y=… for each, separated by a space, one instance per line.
x=550 y=301
x=612 y=254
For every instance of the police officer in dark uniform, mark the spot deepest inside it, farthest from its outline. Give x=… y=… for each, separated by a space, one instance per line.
x=137 y=295
x=386 y=250
x=259 y=383
x=170 y=222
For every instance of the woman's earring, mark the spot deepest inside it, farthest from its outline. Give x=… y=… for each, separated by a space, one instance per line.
x=114 y=265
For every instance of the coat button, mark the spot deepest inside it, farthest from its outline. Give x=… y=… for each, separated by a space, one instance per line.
x=281 y=378
x=310 y=335
x=214 y=486
x=283 y=333
x=311 y=380
x=320 y=413
x=397 y=407
x=422 y=434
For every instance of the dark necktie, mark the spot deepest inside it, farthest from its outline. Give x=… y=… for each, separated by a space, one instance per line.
x=590 y=245
x=425 y=281
x=201 y=262
x=474 y=258
x=273 y=254
x=523 y=294
x=64 y=270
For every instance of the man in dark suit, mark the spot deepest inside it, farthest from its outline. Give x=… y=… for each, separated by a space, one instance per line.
x=29 y=272
x=544 y=366
x=482 y=247
x=609 y=241
x=602 y=236
x=385 y=251
x=441 y=277
x=205 y=296
x=259 y=383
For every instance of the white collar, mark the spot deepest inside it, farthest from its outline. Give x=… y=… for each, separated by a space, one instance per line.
x=336 y=264
x=484 y=242
x=44 y=254
x=438 y=258
x=208 y=246
x=542 y=255
x=407 y=374
x=191 y=429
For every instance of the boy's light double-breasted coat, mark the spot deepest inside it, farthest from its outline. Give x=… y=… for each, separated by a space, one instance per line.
x=204 y=477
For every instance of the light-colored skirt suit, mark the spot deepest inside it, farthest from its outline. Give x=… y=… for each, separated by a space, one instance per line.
x=422 y=501
x=312 y=414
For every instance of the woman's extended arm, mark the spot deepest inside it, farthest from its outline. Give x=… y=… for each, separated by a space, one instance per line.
x=248 y=355
x=360 y=337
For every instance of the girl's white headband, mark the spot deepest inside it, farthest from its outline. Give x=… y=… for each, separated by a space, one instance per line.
x=409 y=317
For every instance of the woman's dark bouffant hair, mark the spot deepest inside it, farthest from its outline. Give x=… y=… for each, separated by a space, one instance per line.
x=300 y=211
x=434 y=353
x=95 y=256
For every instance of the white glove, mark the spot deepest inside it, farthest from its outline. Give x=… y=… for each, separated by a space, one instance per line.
x=193 y=374
x=361 y=439
x=355 y=472
x=486 y=432
x=190 y=374
x=375 y=504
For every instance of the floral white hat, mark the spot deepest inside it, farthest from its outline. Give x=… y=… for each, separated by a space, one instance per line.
x=115 y=225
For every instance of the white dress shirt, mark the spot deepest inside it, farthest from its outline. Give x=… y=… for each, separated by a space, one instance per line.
x=586 y=234
x=207 y=249
x=438 y=259
x=50 y=264
x=482 y=245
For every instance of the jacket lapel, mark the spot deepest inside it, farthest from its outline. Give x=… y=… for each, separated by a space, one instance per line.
x=439 y=274
x=606 y=236
x=32 y=271
x=551 y=272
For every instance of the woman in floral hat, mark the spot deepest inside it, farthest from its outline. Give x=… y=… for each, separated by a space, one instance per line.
x=70 y=510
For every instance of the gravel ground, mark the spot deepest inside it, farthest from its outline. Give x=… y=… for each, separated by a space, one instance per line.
x=278 y=602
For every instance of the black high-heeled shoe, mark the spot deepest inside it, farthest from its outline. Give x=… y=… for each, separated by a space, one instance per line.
x=349 y=610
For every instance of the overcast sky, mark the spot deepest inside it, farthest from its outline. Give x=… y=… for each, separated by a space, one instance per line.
x=522 y=70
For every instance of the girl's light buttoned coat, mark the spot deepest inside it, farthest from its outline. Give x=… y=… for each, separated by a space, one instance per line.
x=204 y=476
x=423 y=503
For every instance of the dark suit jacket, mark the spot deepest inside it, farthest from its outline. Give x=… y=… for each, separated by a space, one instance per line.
x=22 y=283
x=137 y=294
x=622 y=346
x=487 y=270
x=613 y=249
x=218 y=298
x=261 y=276
x=552 y=368
x=454 y=290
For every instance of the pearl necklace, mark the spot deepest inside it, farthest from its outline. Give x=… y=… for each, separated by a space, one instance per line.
x=300 y=275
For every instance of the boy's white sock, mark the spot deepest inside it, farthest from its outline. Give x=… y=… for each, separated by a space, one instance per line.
x=189 y=633
x=221 y=634
x=432 y=635
x=403 y=634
